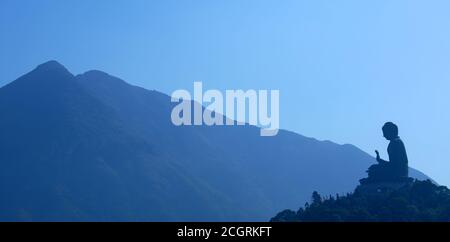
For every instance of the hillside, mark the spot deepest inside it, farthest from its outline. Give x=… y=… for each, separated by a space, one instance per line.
x=93 y=148
x=421 y=201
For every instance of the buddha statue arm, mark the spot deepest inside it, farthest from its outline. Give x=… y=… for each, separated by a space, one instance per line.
x=378 y=157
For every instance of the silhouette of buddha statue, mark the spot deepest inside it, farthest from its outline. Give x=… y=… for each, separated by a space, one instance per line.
x=396 y=169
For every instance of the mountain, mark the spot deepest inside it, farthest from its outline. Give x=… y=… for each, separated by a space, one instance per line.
x=418 y=201
x=93 y=148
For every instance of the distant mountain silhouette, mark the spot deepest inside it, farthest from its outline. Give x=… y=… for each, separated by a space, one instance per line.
x=94 y=148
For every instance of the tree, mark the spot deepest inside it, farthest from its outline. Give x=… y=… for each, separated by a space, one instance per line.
x=316 y=198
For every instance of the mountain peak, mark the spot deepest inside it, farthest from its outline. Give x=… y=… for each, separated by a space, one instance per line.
x=52 y=65
x=96 y=74
x=45 y=74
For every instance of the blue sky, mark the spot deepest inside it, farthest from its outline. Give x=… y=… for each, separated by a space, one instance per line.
x=343 y=68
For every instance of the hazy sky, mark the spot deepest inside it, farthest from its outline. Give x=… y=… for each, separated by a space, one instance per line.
x=343 y=68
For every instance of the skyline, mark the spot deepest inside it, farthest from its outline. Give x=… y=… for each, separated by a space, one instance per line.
x=343 y=69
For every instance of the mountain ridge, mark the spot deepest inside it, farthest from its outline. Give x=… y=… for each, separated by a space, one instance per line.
x=100 y=149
